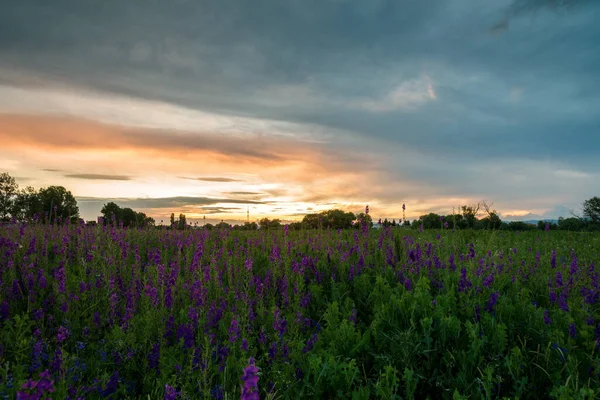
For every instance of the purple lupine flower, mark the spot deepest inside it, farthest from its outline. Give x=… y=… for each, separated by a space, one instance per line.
x=250 y=382
x=305 y=301
x=234 y=331
x=244 y=345
x=170 y=393
x=279 y=323
x=35 y=390
x=63 y=334
x=572 y=330
x=547 y=319
x=464 y=283
x=407 y=284
x=492 y=302
x=562 y=302
x=559 y=280
x=353 y=316
x=487 y=282
x=310 y=343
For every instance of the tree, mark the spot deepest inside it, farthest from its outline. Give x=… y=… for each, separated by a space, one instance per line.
x=266 y=223
x=181 y=223
x=492 y=219
x=172 y=220
x=336 y=219
x=591 y=210
x=431 y=221
x=222 y=225
x=570 y=224
x=469 y=214
x=362 y=217
x=27 y=205
x=8 y=193
x=312 y=221
x=111 y=212
x=58 y=204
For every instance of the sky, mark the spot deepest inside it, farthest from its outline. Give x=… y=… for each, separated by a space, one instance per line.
x=286 y=107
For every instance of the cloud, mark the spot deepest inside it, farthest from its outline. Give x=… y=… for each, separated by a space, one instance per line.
x=101 y=177
x=166 y=202
x=407 y=95
x=212 y=179
x=346 y=101
x=52 y=170
x=245 y=193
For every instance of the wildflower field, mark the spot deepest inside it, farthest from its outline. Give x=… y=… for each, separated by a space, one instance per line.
x=102 y=312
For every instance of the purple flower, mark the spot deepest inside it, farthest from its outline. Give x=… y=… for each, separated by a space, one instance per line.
x=63 y=334
x=310 y=343
x=547 y=319
x=492 y=302
x=464 y=283
x=353 y=316
x=572 y=330
x=250 y=382
x=279 y=324
x=170 y=393
x=234 y=331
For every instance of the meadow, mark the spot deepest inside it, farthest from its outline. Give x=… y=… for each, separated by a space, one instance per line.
x=103 y=312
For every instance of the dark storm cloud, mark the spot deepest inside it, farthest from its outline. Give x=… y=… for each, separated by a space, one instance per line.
x=509 y=80
x=221 y=55
x=101 y=177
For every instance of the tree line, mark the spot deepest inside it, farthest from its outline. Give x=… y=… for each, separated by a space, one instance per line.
x=55 y=204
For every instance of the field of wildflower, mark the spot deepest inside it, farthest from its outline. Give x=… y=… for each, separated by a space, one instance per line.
x=103 y=312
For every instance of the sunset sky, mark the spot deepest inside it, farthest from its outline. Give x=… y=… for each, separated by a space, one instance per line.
x=294 y=106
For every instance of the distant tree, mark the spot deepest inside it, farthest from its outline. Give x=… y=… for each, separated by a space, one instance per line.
x=456 y=221
x=8 y=193
x=312 y=221
x=591 y=210
x=181 y=222
x=550 y=225
x=296 y=226
x=58 y=204
x=492 y=219
x=27 y=205
x=336 y=219
x=360 y=217
x=111 y=212
x=571 y=224
x=431 y=221
x=249 y=226
x=406 y=223
x=222 y=225
x=172 y=220
x=125 y=216
x=209 y=226
x=469 y=214
x=266 y=223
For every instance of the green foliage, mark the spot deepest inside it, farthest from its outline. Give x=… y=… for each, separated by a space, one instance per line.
x=591 y=210
x=8 y=192
x=388 y=315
